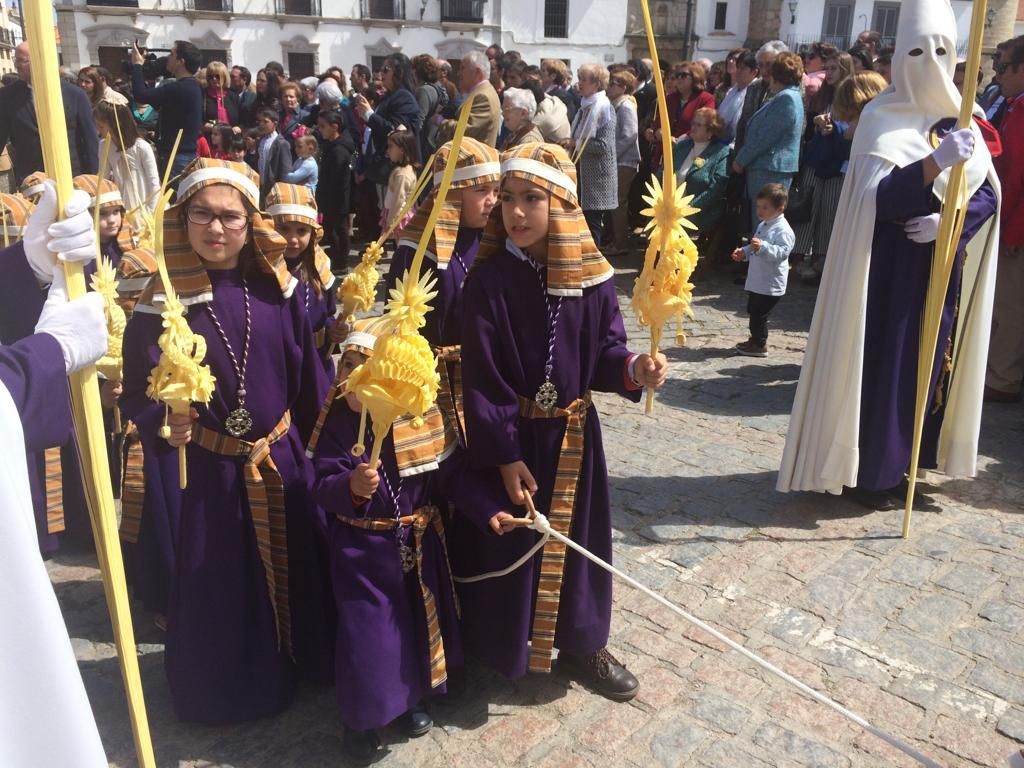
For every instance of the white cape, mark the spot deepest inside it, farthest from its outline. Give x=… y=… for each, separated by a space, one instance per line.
x=45 y=718
x=821 y=451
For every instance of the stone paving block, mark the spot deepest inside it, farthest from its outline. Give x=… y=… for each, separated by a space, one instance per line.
x=938 y=546
x=997 y=647
x=1012 y=724
x=778 y=740
x=901 y=647
x=725 y=674
x=1014 y=591
x=983 y=532
x=675 y=653
x=827 y=594
x=1004 y=616
x=861 y=626
x=790 y=707
x=718 y=710
x=735 y=752
x=794 y=626
x=933 y=615
x=912 y=571
x=937 y=695
x=845 y=661
x=660 y=687
x=972 y=741
x=968 y=579
x=513 y=736
x=988 y=677
x=853 y=566
x=882 y=709
x=799 y=666
x=608 y=734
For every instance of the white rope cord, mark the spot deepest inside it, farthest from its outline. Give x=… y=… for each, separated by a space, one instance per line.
x=505 y=571
x=540 y=523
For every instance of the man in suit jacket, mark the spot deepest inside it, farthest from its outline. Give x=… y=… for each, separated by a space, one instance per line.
x=275 y=156
x=484 y=108
x=19 y=125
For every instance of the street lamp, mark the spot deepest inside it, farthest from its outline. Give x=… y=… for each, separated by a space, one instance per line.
x=792 y=11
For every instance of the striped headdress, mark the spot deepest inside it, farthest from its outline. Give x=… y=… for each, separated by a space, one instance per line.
x=573 y=260
x=296 y=202
x=32 y=185
x=477 y=163
x=416 y=450
x=184 y=266
x=103 y=192
x=14 y=213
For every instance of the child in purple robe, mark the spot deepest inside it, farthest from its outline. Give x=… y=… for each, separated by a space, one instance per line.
x=293 y=207
x=241 y=551
x=541 y=330
x=397 y=616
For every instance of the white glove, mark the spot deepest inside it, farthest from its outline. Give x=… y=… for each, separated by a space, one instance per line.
x=957 y=147
x=922 y=229
x=79 y=326
x=47 y=239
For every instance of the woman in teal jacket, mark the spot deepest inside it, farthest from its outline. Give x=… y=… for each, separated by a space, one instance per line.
x=701 y=161
x=771 y=152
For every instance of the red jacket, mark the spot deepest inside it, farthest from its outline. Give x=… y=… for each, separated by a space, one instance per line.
x=1010 y=168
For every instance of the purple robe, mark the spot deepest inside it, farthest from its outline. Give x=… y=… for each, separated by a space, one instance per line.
x=897 y=283
x=222 y=658
x=21 y=302
x=444 y=322
x=504 y=349
x=32 y=370
x=382 y=664
x=322 y=310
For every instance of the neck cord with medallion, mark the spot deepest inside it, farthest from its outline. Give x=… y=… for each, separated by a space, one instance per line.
x=406 y=554
x=547 y=395
x=239 y=421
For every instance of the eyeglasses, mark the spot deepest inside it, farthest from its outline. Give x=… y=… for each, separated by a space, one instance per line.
x=228 y=219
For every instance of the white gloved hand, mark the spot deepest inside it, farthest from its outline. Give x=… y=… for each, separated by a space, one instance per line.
x=922 y=229
x=957 y=147
x=79 y=326
x=46 y=239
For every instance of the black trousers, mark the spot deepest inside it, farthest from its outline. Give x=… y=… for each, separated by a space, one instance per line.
x=759 y=307
x=595 y=221
x=336 y=235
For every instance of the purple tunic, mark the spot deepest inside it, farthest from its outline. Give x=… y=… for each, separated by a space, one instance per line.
x=897 y=282
x=382 y=664
x=21 y=302
x=504 y=348
x=321 y=310
x=32 y=370
x=222 y=659
x=444 y=321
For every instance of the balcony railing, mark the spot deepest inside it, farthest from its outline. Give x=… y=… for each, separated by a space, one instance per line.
x=462 y=11
x=382 y=9
x=115 y=3
x=298 y=7
x=801 y=42
x=217 y=6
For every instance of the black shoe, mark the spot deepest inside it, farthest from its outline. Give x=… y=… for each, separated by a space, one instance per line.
x=880 y=501
x=362 y=747
x=923 y=502
x=601 y=672
x=416 y=722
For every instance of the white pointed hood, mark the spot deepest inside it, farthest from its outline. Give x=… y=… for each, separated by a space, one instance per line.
x=900 y=125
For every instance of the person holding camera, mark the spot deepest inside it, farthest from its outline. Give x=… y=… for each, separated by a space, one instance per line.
x=180 y=103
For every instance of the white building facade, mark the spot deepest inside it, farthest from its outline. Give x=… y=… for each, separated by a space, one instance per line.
x=307 y=36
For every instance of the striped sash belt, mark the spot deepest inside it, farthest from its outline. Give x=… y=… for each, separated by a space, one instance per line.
x=133 y=486
x=449 y=395
x=54 y=480
x=265 y=491
x=563 y=501
x=420 y=520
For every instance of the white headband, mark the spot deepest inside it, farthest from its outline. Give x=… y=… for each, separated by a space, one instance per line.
x=106 y=197
x=292 y=209
x=467 y=172
x=543 y=170
x=220 y=173
x=11 y=230
x=360 y=339
x=35 y=189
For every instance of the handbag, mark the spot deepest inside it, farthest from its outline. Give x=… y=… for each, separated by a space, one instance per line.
x=377 y=169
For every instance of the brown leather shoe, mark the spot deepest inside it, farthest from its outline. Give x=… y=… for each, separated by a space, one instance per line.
x=602 y=673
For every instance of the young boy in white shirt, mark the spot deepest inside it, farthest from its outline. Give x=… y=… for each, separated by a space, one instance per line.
x=768 y=254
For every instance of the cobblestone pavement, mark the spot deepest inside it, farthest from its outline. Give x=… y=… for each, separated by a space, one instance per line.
x=923 y=637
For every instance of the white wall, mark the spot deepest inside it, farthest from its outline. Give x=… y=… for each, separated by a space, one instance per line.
x=715 y=44
x=596 y=31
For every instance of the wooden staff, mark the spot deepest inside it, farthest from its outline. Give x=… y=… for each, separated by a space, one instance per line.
x=85 y=393
x=954 y=209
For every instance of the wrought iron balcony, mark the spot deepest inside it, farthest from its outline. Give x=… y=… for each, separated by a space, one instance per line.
x=115 y=3
x=298 y=7
x=382 y=9
x=217 y=6
x=462 y=11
